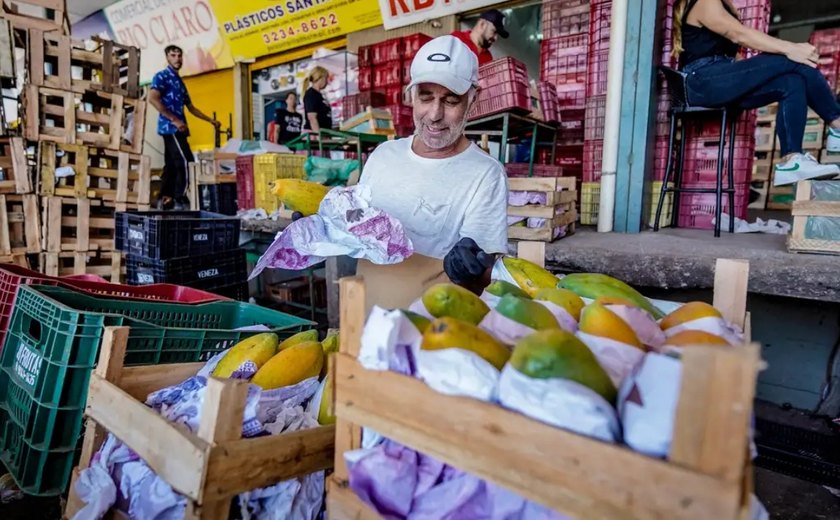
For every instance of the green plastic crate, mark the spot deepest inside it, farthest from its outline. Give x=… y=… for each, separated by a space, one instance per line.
x=52 y=346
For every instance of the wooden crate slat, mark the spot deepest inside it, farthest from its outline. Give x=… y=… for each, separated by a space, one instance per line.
x=14 y=165
x=803 y=208
x=106 y=264
x=20 y=231
x=58 y=21
x=77 y=224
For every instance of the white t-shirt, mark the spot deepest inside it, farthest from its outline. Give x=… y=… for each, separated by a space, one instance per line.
x=440 y=201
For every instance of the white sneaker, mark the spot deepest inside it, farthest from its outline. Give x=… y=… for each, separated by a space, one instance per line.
x=803 y=167
x=832 y=142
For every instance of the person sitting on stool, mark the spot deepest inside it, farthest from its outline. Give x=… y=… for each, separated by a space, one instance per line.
x=707 y=37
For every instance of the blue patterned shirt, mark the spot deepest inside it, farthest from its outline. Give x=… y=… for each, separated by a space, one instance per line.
x=173 y=95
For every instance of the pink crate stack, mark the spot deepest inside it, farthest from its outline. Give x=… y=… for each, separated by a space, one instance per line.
x=355 y=103
x=701 y=160
x=564 y=18
x=596 y=113
x=504 y=87
x=599 y=26
x=563 y=62
x=697 y=210
x=593 y=152
x=245 y=181
x=548 y=101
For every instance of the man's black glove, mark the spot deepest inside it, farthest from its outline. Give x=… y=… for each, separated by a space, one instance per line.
x=466 y=262
x=296 y=215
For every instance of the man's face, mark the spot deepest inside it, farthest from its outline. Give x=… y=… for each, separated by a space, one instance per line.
x=487 y=35
x=175 y=59
x=439 y=115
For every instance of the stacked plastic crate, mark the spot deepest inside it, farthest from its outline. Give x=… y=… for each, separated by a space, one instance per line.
x=595 y=112
x=565 y=30
x=385 y=68
x=504 y=88
x=191 y=248
x=827 y=42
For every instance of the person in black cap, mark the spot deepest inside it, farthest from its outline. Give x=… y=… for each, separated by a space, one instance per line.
x=490 y=26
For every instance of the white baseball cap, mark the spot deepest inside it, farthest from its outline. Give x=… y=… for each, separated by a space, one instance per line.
x=445 y=61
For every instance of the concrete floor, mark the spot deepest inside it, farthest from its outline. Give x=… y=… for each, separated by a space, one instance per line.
x=684 y=259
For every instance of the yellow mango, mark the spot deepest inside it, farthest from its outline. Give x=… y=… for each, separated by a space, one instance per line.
x=300 y=195
x=689 y=312
x=527 y=312
x=453 y=301
x=599 y=321
x=453 y=333
x=324 y=416
x=291 y=366
x=258 y=349
x=563 y=298
x=300 y=337
x=690 y=338
x=529 y=276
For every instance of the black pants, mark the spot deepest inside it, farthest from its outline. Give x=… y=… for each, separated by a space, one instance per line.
x=176 y=156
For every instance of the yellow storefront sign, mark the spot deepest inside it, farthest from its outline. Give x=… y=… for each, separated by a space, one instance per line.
x=256 y=28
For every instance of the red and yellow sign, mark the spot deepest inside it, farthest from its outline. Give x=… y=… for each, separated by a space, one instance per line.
x=255 y=28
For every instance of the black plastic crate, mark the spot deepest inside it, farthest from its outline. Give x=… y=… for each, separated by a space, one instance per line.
x=205 y=272
x=237 y=292
x=805 y=454
x=218 y=198
x=162 y=235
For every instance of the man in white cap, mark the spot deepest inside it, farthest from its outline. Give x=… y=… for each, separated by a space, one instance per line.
x=450 y=196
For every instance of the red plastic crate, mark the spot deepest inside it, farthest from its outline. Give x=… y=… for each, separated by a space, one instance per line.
x=596 y=113
x=506 y=97
x=389 y=50
x=569 y=156
x=13 y=276
x=701 y=159
x=548 y=101
x=502 y=70
x=412 y=44
x=388 y=74
x=245 y=181
x=365 y=79
x=365 y=56
x=571 y=96
x=697 y=210
x=393 y=96
x=564 y=17
x=564 y=60
x=402 y=115
x=599 y=26
x=406 y=72
x=356 y=103
x=596 y=76
x=660 y=157
x=593 y=152
x=709 y=128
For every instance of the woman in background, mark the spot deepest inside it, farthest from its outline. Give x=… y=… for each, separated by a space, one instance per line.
x=315 y=106
x=707 y=37
x=288 y=121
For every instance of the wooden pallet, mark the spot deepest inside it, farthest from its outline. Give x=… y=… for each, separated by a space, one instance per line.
x=377 y=121
x=707 y=474
x=99 y=173
x=60 y=62
x=7 y=51
x=558 y=210
x=91 y=118
x=107 y=264
x=14 y=170
x=20 y=230
x=53 y=17
x=210 y=467
x=78 y=225
x=805 y=207
x=19 y=260
x=827 y=157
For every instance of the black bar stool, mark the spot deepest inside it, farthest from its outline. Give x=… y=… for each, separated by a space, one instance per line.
x=680 y=108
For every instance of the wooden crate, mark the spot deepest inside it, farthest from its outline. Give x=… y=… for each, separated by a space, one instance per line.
x=19 y=260
x=7 y=51
x=14 y=169
x=558 y=210
x=107 y=264
x=99 y=173
x=210 y=467
x=378 y=121
x=20 y=230
x=827 y=157
x=762 y=166
x=803 y=208
x=763 y=189
x=53 y=17
x=707 y=474
x=58 y=61
x=91 y=118
x=78 y=225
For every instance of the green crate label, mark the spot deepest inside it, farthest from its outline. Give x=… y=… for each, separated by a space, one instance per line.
x=145 y=278
x=208 y=273
x=27 y=364
x=201 y=237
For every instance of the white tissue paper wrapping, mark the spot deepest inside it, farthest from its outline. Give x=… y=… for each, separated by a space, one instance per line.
x=346 y=224
x=771 y=227
x=617 y=359
x=523 y=198
x=647 y=403
x=503 y=328
x=566 y=321
x=559 y=402
x=712 y=325
x=455 y=371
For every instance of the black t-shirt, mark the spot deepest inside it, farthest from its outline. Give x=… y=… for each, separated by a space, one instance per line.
x=289 y=124
x=314 y=102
